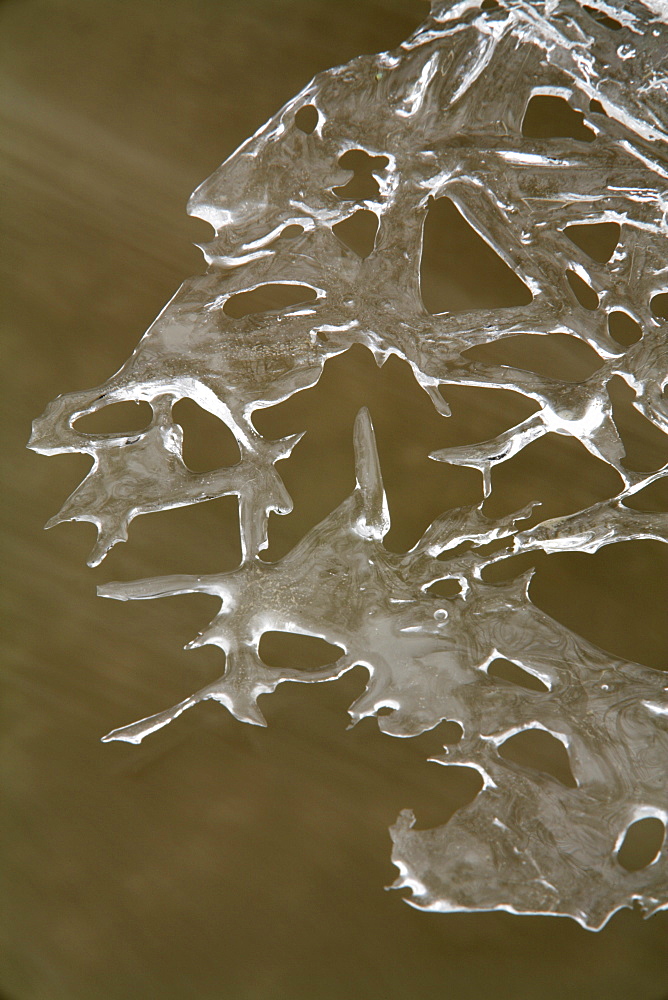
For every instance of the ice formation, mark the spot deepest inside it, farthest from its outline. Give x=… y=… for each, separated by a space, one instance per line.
x=443 y=116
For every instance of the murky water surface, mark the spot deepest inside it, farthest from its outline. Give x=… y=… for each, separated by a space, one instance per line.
x=218 y=860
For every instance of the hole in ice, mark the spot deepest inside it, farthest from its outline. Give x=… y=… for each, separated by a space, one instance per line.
x=459 y=787
x=557 y=355
x=596 y=107
x=509 y=569
x=623 y=329
x=295 y=651
x=551 y=117
x=583 y=292
x=320 y=472
x=362 y=186
x=268 y=298
x=456 y=551
x=286 y=235
x=609 y=597
x=208 y=443
x=490 y=5
x=165 y=542
x=642 y=843
x=602 y=18
x=358 y=231
x=116 y=418
x=659 y=305
x=540 y=751
x=292 y=231
x=506 y=670
x=597 y=239
x=459 y=270
x=558 y=472
x=646 y=446
x=445 y=588
x=307 y=118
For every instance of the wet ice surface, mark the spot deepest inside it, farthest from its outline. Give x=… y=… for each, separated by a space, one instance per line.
x=454 y=114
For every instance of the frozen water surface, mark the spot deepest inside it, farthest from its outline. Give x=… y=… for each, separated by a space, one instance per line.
x=320 y=219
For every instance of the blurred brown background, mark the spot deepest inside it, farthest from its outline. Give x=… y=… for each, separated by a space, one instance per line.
x=218 y=860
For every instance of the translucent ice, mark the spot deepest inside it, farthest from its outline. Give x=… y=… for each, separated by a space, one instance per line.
x=456 y=113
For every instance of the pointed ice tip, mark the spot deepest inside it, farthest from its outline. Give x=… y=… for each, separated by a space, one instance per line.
x=291 y=441
x=127 y=734
x=375 y=521
x=195 y=643
x=283 y=447
x=115 y=737
x=363 y=418
x=249 y=712
x=100 y=549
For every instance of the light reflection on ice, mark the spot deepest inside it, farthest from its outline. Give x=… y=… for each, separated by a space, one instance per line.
x=446 y=112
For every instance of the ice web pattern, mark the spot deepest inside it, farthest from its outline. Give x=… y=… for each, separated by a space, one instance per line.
x=441 y=117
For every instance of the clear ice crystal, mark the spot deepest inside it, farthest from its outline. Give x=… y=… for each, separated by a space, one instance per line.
x=448 y=114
